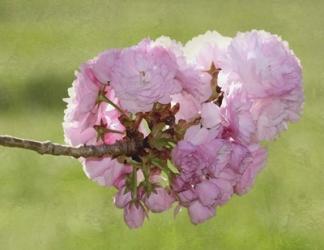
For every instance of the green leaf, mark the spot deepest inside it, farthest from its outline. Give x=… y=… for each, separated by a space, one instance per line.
x=172 y=167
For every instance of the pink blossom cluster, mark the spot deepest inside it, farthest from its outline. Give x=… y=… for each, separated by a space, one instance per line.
x=227 y=95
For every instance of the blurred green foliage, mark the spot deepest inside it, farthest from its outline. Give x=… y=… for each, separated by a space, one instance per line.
x=48 y=203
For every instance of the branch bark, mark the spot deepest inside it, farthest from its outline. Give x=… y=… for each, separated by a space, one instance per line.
x=124 y=147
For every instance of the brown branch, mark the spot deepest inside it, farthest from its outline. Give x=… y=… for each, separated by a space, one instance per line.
x=123 y=147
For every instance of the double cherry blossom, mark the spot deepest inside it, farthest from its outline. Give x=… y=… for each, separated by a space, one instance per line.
x=202 y=109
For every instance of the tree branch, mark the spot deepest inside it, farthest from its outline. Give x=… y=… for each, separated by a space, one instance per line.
x=123 y=147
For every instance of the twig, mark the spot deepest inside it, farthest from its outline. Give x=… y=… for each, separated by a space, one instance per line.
x=123 y=147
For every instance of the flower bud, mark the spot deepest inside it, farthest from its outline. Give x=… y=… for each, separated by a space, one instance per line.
x=207 y=192
x=199 y=213
x=159 y=200
x=134 y=215
x=122 y=198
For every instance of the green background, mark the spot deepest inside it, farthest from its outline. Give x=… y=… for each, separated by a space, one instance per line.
x=48 y=203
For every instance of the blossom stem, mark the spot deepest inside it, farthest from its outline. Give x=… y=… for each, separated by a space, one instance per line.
x=122 y=147
x=138 y=120
x=115 y=105
x=145 y=168
x=108 y=130
x=134 y=183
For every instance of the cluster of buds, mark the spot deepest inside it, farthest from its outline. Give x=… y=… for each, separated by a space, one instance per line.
x=197 y=113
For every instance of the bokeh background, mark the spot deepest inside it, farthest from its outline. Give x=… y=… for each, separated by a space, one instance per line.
x=48 y=203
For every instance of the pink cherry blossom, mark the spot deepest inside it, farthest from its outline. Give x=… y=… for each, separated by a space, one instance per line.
x=159 y=200
x=212 y=166
x=80 y=113
x=145 y=74
x=270 y=74
x=211 y=146
x=199 y=152
x=263 y=63
x=84 y=111
x=134 y=215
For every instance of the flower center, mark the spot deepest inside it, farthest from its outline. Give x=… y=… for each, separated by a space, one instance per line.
x=144 y=77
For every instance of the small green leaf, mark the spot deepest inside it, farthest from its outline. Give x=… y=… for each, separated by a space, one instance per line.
x=172 y=167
